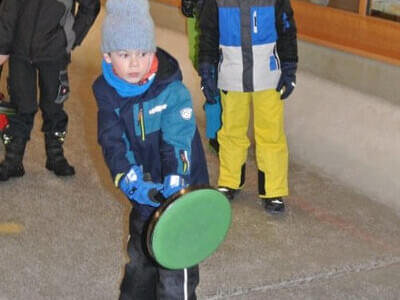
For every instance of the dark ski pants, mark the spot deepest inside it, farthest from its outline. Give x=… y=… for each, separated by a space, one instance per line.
x=145 y=280
x=23 y=79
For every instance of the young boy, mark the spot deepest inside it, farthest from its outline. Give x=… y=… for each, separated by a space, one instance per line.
x=147 y=130
x=38 y=36
x=254 y=45
x=212 y=105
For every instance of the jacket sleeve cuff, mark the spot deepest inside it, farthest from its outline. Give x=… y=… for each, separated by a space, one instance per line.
x=118 y=178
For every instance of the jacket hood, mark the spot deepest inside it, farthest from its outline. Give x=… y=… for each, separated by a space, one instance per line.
x=168 y=70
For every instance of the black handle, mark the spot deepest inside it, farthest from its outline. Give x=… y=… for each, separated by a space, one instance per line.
x=153 y=194
x=156 y=196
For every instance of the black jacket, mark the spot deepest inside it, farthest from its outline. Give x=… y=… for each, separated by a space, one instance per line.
x=44 y=30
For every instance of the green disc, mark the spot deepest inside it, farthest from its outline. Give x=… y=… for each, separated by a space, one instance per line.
x=191 y=229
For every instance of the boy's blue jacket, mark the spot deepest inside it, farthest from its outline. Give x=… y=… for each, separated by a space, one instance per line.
x=156 y=129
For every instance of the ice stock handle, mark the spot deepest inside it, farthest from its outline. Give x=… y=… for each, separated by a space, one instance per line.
x=153 y=194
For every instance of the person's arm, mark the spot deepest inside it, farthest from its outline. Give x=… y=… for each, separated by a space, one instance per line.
x=84 y=19
x=286 y=47
x=111 y=136
x=208 y=56
x=178 y=126
x=287 y=32
x=9 y=10
x=209 y=33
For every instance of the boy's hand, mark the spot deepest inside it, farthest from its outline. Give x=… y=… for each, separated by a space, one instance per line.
x=136 y=189
x=209 y=87
x=287 y=82
x=3 y=58
x=187 y=8
x=172 y=185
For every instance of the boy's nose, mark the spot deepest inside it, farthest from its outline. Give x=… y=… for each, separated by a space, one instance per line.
x=133 y=62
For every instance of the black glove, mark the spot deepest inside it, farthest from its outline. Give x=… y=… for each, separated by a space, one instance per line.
x=209 y=87
x=287 y=82
x=187 y=8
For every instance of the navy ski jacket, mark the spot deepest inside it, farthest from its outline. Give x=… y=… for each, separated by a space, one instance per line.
x=156 y=130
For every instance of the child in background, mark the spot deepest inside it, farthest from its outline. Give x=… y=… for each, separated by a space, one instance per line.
x=147 y=129
x=38 y=36
x=251 y=48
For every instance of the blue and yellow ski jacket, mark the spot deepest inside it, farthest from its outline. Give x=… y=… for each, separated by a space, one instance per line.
x=156 y=130
x=248 y=39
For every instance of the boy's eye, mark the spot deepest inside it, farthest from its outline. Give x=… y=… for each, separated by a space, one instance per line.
x=123 y=54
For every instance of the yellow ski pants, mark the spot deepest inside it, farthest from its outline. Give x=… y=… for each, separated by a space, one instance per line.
x=270 y=141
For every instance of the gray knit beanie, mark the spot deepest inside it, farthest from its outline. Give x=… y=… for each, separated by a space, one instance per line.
x=128 y=26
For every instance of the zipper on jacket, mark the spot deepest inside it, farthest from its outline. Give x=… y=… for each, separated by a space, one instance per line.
x=184 y=159
x=278 y=62
x=141 y=122
x=255 y=29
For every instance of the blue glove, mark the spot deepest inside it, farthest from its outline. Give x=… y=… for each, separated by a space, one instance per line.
x=136 y=189
x=213 y=118
x=172 y=185
x=209 y=87
x=287 y=82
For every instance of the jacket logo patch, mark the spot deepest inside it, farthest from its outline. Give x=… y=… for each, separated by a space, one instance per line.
x=157 y=109
x=186 y=113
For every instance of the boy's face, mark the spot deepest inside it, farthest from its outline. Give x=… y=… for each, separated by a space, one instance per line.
x=130 y=65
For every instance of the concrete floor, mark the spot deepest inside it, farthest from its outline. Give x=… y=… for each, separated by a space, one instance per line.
x=66 y=238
